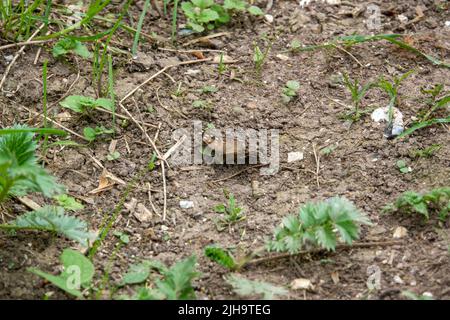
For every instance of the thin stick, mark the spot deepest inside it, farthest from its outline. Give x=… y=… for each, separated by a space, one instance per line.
x=216 y=35
x=319 y=250
x=317 y=158
x=57 y=124
x=8 y=68
x=25 y=43
x=351 y=55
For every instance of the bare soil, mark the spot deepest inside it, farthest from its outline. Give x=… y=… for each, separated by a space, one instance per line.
x=362 y=167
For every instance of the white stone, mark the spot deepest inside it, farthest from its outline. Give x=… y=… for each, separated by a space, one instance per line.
x=186 y=204
x=295 y=156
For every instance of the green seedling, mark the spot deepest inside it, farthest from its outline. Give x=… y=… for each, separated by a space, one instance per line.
x=290 y=91
x=328 y=150
x=69 y=45
x=202 y=104
x=358 y=92
x=260 y=57
x=295 y=46
x=403 y=167
x=209 y=89
x=113 y=156
x=221 y=66
x=122 y=236
x=91 y=134
x=427 y=152
x=318 y=225
x=436 y=200
x=233 y=213
x=68 y=202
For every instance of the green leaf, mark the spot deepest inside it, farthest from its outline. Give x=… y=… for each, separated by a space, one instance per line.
x=234 y=5
x=325 y=237
x=401 y=164
x=422 y=125
x=245 y=287
x=78 y=103
x=81 y=50
x=203 y=4
x=89 y=134
x=68 y=202
x=78 y=271
x=176 y=284
x=54 y=219
x=207 y=15
x=107 y=104
x=123 y=237
x=220 y=208
x=19 y=171
x=294 y=85
x=137 y=273
x=256 y=11
x=220 y=256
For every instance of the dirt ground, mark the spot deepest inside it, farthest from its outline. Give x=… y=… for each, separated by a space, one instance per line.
x=362 y=167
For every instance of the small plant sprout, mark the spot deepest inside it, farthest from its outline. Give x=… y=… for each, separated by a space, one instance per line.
x=392 y=90
x=358 y=92
x=403 y=167
x=259 y=57
x=436 y=200
x=68 y=45
x=318 y=224
x=290 y=91
x=91 y=134
x=221 y=66
x=84 y=105
x=233 y=213
x=427 y=152
x=68 y=202
x=113 y=156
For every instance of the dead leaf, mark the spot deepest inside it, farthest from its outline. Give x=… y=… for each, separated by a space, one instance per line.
x=198 y=54
x=400 y=232
x=335 y=277
x=112 y=146
x=302 y=284
x=104 y=183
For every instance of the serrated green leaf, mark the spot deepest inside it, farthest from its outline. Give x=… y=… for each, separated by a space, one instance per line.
x=137 y=273
x=325 y=237
x=220 y=256
x=78 y=271
x=54 y=219
x=245 y=287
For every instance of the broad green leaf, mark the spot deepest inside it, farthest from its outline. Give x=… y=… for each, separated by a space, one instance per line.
x=89 y=134
x=325 y=237
x=256 y=11
x=78 y=103
x=207 y=15
x=104 y=103
x=234 y=5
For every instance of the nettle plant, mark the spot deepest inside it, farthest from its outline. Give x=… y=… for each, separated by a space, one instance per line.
x=20 y=174
x=436 y=200
x=318 y=225
x=207 y=14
